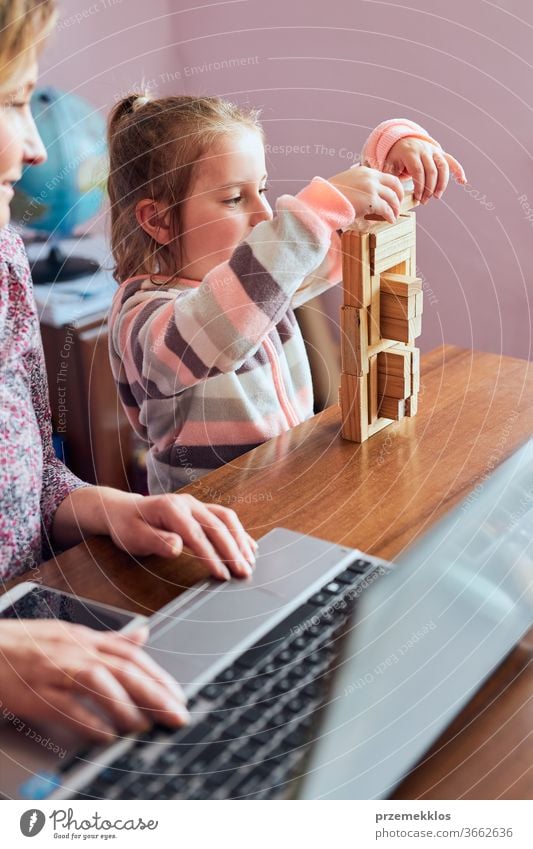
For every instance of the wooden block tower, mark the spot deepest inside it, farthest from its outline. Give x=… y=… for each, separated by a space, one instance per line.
x=380 y=320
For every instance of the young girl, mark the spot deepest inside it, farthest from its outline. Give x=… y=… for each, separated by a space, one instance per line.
x=205 y=348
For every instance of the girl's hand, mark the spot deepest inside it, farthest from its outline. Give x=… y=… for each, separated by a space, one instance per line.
x=163 y=524
x=47 y=666
x=370 y=192
x=426 y=164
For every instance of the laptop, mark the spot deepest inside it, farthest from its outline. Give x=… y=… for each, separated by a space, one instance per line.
x=328 y=673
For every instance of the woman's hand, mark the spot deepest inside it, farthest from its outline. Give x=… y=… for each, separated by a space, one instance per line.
x=158 y=524
x=46 y=667
x=163 y=524
x=370 y=192
x=426 y=164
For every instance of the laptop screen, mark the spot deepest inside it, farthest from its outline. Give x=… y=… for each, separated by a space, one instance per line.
x=425 y=637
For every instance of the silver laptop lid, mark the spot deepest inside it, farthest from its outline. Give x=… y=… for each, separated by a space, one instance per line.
x=426 y=636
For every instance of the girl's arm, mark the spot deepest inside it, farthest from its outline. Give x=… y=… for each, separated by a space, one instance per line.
x=378 y=153
x=165 y=341
x=401 y=147
x=384 y=137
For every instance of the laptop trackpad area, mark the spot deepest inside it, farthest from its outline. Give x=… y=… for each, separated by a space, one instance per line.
x=218 y=624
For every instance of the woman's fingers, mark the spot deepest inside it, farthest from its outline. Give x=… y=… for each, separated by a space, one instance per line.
x=194 y=538
x=65 y=708
x=231 y=521
x=223 y=542
x=149 y=697
x=123 y=680
x=206 y=536
x=121 y=647
x=102 y=685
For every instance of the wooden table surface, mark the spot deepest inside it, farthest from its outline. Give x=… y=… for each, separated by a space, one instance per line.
x=475 y=410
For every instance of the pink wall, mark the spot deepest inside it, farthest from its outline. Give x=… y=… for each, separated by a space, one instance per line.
x=324 y=74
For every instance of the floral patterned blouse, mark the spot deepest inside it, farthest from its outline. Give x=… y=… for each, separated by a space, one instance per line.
x=33 y=482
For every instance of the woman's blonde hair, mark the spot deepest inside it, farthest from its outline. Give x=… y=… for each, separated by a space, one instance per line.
x=24 y=24
x=153 y=149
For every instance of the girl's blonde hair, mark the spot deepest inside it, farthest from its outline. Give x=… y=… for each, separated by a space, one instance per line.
x=153 y=149
x=24 y=24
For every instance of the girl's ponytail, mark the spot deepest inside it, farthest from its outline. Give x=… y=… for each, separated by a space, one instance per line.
x=125 y=108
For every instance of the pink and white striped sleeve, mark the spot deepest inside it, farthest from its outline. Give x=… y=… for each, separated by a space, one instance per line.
x=385 y=135
x=168 y=340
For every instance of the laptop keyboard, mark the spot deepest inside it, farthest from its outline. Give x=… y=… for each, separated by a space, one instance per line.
x=251 y=726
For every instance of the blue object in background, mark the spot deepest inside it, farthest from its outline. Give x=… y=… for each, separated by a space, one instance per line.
x=60 y=447
x=69 y=188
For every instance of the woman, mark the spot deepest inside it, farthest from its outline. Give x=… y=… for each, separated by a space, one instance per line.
x=46 y=666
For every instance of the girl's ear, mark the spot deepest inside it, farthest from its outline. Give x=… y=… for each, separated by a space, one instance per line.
x=154 y=217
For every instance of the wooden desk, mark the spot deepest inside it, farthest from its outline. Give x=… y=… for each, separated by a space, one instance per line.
x=475 y=410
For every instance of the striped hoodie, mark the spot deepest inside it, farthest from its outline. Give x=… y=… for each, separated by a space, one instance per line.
x=207 y=370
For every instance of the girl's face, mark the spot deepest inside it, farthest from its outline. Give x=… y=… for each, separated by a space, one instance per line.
x=227 y=199
x=20 y=143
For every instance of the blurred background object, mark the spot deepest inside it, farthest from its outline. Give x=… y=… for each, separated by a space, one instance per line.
x=68 y=190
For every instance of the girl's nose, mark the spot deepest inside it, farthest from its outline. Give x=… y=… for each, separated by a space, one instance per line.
x=262 y=213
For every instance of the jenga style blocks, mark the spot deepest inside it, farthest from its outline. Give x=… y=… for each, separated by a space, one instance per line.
x=380 y=319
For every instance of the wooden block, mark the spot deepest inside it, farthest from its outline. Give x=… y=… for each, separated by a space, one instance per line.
x=354 y=340
x=378 y=425
x=400 y=259
x=354 y=407
x=415 y=364
x=372 y=390
x=347 y=261
x=402 y=285
x=374 y=313
x=356 y=269
x=419 y=303
x=392 y=408
x=411 y=405
x=382 y=345
x=415 y=368
x=393 y=385
x=397 y=360
x=403 y=267
x=391 y=249
x=384 y=233
x=401 y=329
x=415 y=381
x=394 y=306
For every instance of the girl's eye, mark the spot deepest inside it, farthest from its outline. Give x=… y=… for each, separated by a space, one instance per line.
x=236 y=200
